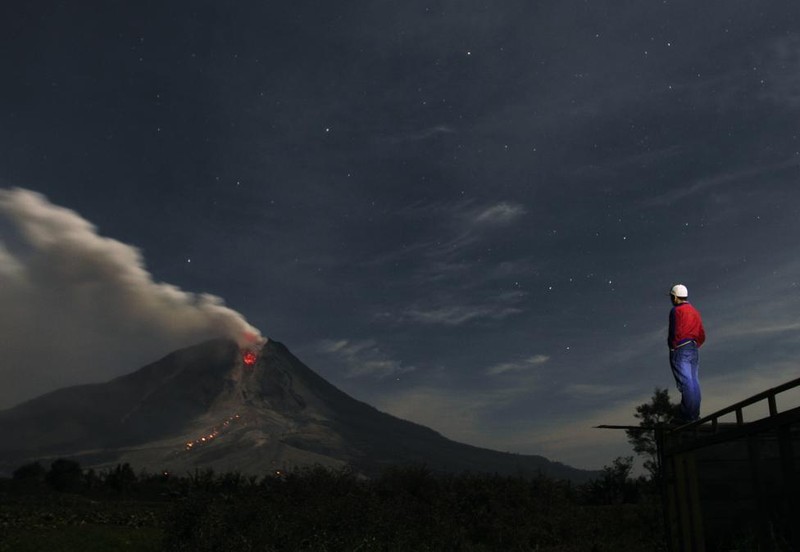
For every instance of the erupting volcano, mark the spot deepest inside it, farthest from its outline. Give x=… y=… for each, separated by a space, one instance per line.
x=197 y=408
x=250 y=343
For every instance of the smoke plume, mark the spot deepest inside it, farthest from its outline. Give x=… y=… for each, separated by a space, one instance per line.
x=77 y=307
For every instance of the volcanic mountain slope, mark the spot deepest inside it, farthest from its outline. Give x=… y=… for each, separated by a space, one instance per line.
x=203 y=407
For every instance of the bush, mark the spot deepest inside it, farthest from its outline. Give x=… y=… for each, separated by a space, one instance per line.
x=65 y=476
x=121 y=479
x=317 y=509
x=404 y=509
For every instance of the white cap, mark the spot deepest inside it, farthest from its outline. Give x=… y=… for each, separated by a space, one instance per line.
x=679 y=290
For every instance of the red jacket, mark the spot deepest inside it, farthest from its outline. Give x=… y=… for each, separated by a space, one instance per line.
x=685 y=325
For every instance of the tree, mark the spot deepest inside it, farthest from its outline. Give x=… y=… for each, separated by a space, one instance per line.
x=658 y=412
x=121 y=479
x=65 y=475
x=29 y=477
x=614 y=485
x=30 y=472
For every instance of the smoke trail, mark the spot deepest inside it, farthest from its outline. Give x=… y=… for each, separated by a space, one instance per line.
x=76 y=306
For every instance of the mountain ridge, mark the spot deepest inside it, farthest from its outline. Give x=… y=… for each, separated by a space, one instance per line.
x=202 y=406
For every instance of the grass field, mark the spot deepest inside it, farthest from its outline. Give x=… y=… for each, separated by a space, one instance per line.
x=66 y=523
x=84 y=538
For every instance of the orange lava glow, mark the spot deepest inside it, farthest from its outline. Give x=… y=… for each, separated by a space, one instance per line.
x=249 y=358
x=215 y=432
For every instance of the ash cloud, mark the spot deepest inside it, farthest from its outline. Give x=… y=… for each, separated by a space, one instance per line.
x=78 y=307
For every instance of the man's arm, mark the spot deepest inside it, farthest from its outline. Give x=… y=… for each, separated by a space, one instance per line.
x=671 y=331
x=701 y=338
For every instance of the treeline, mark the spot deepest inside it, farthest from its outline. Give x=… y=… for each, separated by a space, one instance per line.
x=406 y=508
x=67 y=476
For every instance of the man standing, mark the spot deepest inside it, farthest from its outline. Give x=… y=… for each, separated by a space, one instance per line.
x=686 y=335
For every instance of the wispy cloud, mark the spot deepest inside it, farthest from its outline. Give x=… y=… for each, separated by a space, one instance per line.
x=781 y=69
x=465 y=416
x=722 y=390
x=449 y=309
x=517 y=366
x=457 y=416
x=577 y=441
x=452 y=268
x=593 y=390
x=456 y=315
x=739 y=329
x=423 y=134
x=363 y=358
x=766 y=307
x=500 y=214
x=458 y=230
x=747 y=176
x=457 y=217
x=612 y=167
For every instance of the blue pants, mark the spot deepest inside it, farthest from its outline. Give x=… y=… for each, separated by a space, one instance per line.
x=684 y=362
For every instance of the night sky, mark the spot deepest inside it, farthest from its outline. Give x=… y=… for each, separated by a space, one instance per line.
x=467 y=214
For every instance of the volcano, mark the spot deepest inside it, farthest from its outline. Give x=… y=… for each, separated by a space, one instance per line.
x=210 y=406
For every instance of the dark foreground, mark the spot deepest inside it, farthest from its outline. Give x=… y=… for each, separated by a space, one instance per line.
x=322 y=510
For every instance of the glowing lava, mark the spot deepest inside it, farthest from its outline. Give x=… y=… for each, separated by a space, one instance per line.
x=215 y=432
x=249 y=358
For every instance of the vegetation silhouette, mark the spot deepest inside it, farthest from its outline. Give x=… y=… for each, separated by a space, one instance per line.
x=316 y=508
x=660 y=411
